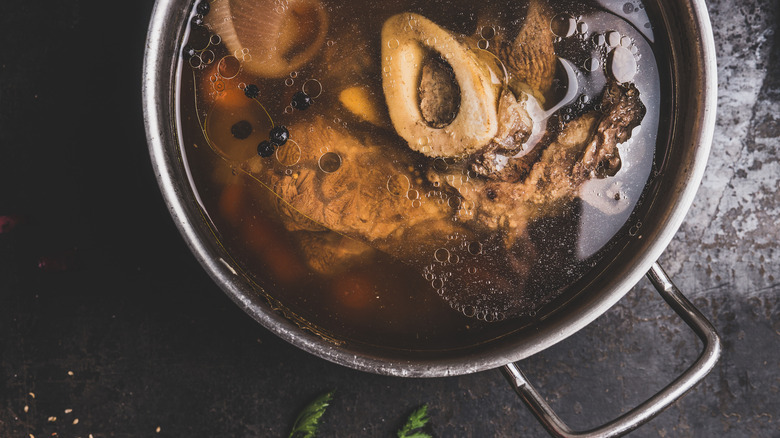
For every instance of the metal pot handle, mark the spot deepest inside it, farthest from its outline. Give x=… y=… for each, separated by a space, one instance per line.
x=655 y=404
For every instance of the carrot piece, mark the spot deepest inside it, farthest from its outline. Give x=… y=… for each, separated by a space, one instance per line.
x=355 y=291
x=268 y=241
x=360 y=102
x=231 y=202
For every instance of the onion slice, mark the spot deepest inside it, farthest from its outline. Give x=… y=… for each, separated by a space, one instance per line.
x=281 y=35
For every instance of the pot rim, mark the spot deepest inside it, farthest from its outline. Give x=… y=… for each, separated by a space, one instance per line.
x=158 y=122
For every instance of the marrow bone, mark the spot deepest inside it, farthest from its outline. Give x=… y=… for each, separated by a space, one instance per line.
x=410 y=80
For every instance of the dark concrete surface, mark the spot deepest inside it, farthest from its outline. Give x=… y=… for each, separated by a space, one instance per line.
x=106 y=318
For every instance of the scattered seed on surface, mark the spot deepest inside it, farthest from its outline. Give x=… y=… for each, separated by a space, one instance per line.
x=158 y=429
x=52 y=419
x=70 y=373
x=32 y=394
x=68 y=411
x=76 y=421
x=26 y=408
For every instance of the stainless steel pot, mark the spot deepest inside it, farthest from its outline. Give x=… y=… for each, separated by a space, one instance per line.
x=693 y=71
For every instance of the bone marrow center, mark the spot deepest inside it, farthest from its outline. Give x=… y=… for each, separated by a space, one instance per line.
x=437 y=88
x=439 y=92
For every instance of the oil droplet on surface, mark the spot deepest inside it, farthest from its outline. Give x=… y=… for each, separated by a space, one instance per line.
x=228 y=67
x=289 y=153
x=441 y=255
x=312 y=87
x=440 y=165
x=195 y=61
x=563 y=25
x=487 y=32
x=591 y=64
x=622 y=65
x=329 y=162
x=398 y=185
x=613 y=38
x=207 y=56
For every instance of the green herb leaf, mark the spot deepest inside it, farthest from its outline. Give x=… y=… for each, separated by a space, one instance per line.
x=417 y=420
x=305 y=425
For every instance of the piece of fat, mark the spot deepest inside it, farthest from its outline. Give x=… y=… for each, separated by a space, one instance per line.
x=362 y=103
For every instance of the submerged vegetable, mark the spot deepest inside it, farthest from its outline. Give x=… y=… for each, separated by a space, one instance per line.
x=281 y=36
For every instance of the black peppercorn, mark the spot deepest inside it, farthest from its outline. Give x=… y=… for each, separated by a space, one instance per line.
x=266 y=148
x=197 y=20
x=251 y=91
x=301 y=101
x=203 y=7
x=241 y=130
x=279 y=135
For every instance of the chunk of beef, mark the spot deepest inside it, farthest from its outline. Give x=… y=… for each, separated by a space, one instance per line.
x=356 y=200
x=584 y=148
x=623 y=112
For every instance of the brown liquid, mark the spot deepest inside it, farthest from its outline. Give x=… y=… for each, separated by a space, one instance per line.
x=379 y=299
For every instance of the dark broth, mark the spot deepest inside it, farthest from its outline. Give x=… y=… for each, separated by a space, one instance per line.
x=376 y=298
